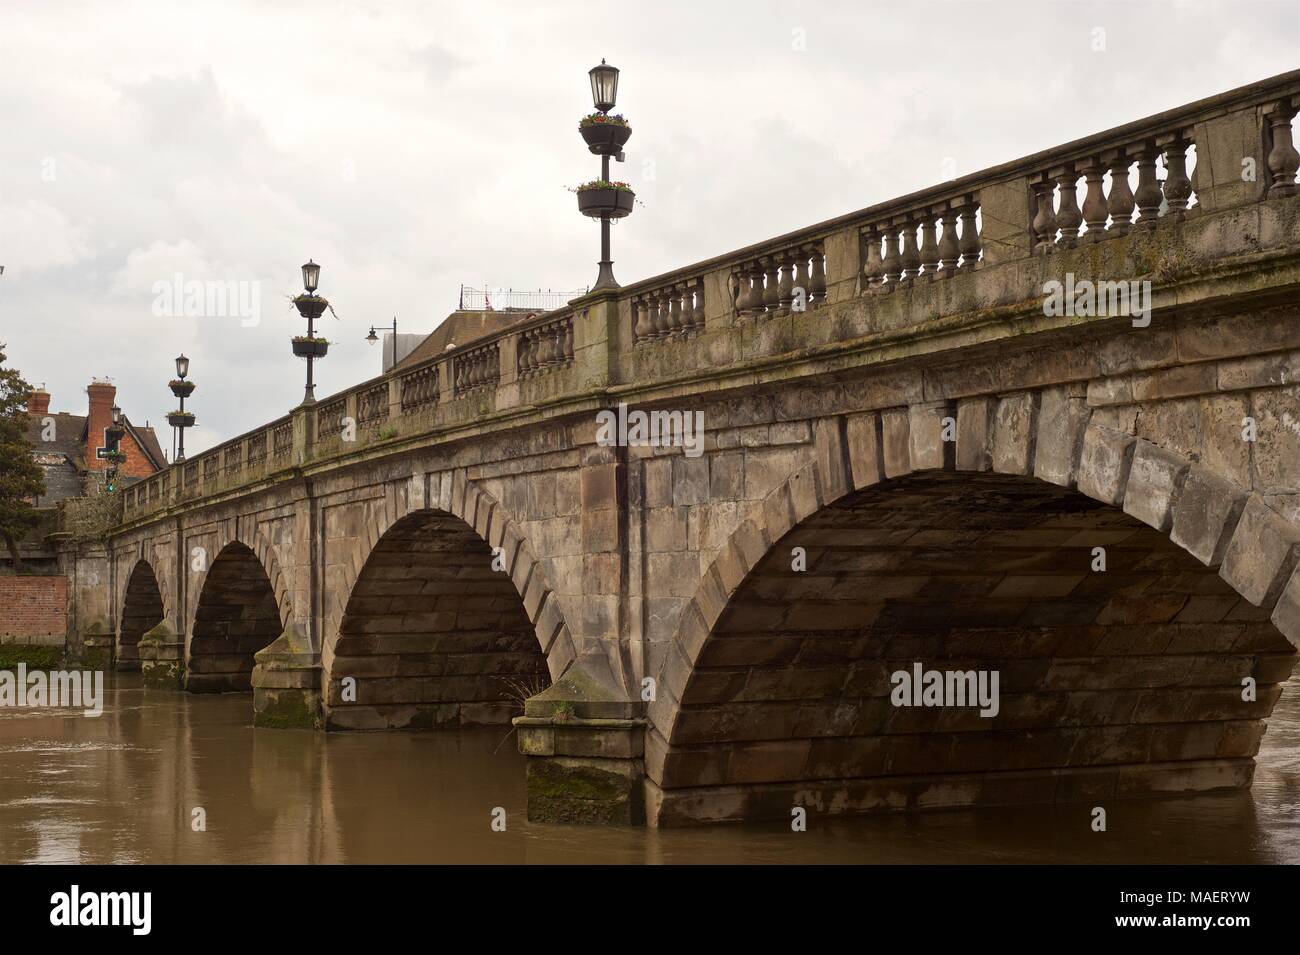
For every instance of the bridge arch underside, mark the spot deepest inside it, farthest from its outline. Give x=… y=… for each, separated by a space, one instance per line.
x=237 y=616
x=1111 y=684
x=432 y=635
x=142 y=610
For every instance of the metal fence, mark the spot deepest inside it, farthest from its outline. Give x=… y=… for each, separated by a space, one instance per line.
x=498 y=299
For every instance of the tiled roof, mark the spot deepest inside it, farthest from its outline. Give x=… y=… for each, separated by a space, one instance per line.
x=460 y=328
x=68 y=435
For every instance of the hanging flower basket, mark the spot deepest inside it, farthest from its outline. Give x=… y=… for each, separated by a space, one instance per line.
x=310 y=306
x=181 y=389
x=180 y=419
x=305 y=347
x=604 y=135
x=601 y=198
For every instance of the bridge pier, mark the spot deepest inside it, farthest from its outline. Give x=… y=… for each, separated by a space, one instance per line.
x=162 y=656
x=97 y=645
x=585 y=743
x=287 y=683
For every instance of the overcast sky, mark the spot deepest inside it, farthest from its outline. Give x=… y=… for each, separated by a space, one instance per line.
x=411 y=147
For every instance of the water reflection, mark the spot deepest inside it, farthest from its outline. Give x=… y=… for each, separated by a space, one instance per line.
x=123 y=788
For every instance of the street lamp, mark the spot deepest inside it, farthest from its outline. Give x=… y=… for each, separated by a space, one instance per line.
x=372 y=337
x=311 y=307
x=604 y=85
x=605 y=136
x=180 y=419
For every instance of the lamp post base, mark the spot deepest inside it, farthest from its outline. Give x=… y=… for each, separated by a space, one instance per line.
x=605 y=280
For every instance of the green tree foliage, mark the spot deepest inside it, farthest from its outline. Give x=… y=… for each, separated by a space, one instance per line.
x=21 y=478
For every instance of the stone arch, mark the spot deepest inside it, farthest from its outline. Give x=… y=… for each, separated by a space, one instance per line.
x=451 y=493
x=267 y=558
x=236 y=614
x=430 y=632
x=1044 y=438
x=141 y=607
x=126 y=561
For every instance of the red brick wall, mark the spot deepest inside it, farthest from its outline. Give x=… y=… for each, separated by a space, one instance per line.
x=137 y=462
x=32 y=607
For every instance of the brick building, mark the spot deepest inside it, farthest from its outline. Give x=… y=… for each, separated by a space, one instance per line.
x=65 y=444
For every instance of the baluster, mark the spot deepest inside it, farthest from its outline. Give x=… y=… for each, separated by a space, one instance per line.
x=1044 y=216
x=1178 y=187
x=873 y=271
x=675 y=324
x=969 y=243
x=949 y=251
x=756 y=289
x=929 y=247
x=663 y=321
x=525 y=364
x=891 y=263
x=741 y=300
x=785 y=287
x=697 y=313
x=535 y=350
x=567 y=338
x=771 y=291
x=817 y=278
x=911 y=258
x=1283 y=158
x=642 y=327
x=1068 y=216
x=1120 y=201
x=802 y=290
x=545 y=349
x=1148 y=193
x=1095 y=211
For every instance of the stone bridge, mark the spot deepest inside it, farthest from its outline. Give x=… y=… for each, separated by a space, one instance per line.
x=913 y=453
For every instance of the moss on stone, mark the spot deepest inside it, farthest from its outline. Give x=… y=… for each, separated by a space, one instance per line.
x=35 y=658
x=287 y=710
x=161 y=675
x=582 y=794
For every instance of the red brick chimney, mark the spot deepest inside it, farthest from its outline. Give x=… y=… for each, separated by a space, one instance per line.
x=99 y=417
x=38 y=402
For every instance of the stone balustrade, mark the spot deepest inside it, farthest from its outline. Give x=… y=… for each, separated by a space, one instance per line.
x=545 y=347
x=329 y=417
x=674 y=311
x=1160 y=173
x=1111 y=191
x=476 y=368
x=372 y=406
x=785 y=280
x=934 y=241
x=419 y=389
x=282 y=440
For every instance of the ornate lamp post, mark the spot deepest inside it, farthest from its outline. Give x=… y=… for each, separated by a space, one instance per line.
x=372 y=337
x=605 y=136
x=311 y=307
x=181 y=419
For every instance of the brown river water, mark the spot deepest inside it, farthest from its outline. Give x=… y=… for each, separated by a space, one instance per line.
x=123 y=787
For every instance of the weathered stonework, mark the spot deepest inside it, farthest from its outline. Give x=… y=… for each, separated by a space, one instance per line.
x=917 y=467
